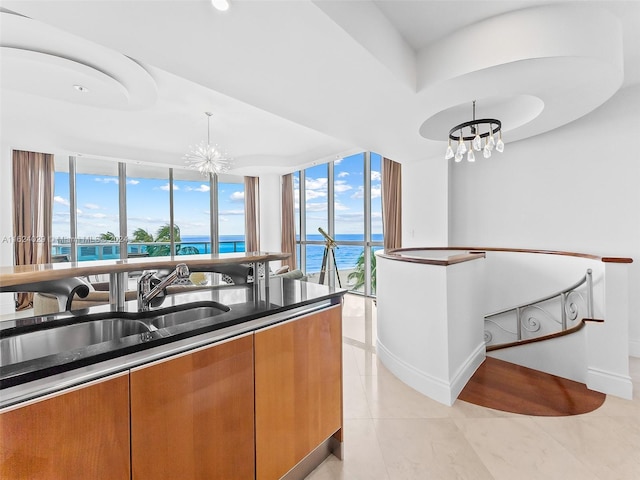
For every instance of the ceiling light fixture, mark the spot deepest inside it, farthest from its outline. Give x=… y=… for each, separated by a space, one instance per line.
x=222 y=5
x=491 y=127
x=207 y=158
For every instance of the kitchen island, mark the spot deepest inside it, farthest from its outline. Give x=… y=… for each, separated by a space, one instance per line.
x=209 y=397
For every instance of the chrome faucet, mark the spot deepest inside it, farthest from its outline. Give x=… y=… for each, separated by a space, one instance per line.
x=146 y=292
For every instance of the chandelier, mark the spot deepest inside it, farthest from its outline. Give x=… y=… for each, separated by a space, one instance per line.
x=207 y=158
x=477 y=130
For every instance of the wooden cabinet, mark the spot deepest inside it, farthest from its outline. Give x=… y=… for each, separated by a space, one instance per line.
x=192 y=416
x=298 y=381
x=78 y=434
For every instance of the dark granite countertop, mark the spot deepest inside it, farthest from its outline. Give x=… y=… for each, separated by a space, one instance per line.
x=247 y=308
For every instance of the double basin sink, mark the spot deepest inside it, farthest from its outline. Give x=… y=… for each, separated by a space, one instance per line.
x=73 y=334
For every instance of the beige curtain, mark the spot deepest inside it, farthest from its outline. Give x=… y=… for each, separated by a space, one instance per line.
x=392 y=203
x=288 y=244
x=33 y=212
x=251 y=214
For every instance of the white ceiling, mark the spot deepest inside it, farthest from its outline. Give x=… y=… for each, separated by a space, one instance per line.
x=293 y=83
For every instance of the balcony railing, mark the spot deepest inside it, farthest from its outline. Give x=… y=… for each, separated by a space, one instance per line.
x=547 y=316
x=111 y=250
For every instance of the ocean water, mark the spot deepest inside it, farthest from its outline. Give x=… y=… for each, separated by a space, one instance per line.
x=346 y=256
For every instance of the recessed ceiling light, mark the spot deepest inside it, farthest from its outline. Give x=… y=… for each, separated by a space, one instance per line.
x=222 y=5
x=80 y=88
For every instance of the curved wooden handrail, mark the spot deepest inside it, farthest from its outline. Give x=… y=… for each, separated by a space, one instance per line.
x=450 y=260
x=480 y=250
x=562 y=333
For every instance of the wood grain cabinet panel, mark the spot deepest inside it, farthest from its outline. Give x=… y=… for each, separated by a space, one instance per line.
x=192 y=416
x=78 y=434
x=298 y=389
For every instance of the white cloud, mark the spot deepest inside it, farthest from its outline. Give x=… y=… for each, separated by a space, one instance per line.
x=359 y=193
x=232 y=212
x=337 y=206
x=106 y=180
x=237 y=197
x=61 y=201
x=201 y=188
x=375 y=176
x=375 y=192
x=316 y=184
x=92 y=206
x=338 y=161
x=316 y=207
x=166 y=187
x=350 y=217
x=343 y=174
x=312 y=194
x=78 y=211
x=133 y=182
x=342 y=186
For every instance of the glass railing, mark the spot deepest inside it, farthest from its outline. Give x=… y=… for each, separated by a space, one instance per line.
x=111 y=250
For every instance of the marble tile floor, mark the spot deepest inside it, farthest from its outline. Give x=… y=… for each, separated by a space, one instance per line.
x=392 y=432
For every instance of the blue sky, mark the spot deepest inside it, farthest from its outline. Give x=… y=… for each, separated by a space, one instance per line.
x=349 y=195
x=147 y=206
x=148 y=202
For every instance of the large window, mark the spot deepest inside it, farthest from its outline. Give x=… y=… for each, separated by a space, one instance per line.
x=97 y=212
x=342 y=198
x=165 y=211
x=148 y=211
x=192 y=212
x=231 y=216
x=61 y=225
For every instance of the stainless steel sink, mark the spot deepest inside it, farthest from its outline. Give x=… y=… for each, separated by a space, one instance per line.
x=71 y=335
x=67 y=338
x=185 y=316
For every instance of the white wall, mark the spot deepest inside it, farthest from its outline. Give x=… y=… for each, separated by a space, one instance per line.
x=425 y=203
x=6 y=222
x=576 y=188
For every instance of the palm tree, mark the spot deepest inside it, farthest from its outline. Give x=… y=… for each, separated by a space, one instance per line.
x=359 y=273
x=162 y=235
x=108 y=237
x=141 y=235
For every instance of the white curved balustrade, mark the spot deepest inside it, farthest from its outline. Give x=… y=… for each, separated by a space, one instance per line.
x=432 y=303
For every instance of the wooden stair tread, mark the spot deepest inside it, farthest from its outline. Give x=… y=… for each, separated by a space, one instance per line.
x=512 y=388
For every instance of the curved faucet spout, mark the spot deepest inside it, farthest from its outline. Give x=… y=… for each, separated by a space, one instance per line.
x=146 y=293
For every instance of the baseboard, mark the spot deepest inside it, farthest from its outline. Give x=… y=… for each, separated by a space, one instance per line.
x=610 y=383
x=634 y=348
x=466 y=371
x=309 y=463
x=441 y=390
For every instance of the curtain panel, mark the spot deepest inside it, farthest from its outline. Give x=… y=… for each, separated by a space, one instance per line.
x=392 y=203
x=251 y=214
x=33 y=175
x=288 y=243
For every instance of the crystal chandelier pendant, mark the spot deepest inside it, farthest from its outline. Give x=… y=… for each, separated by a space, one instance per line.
x=486 y=151
x=458 y=157
x=462 y=148
x=471 y=157
x=477 y=143
x=208 y=158
x=500 y=143
x=449 y=153
x=491 y=142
